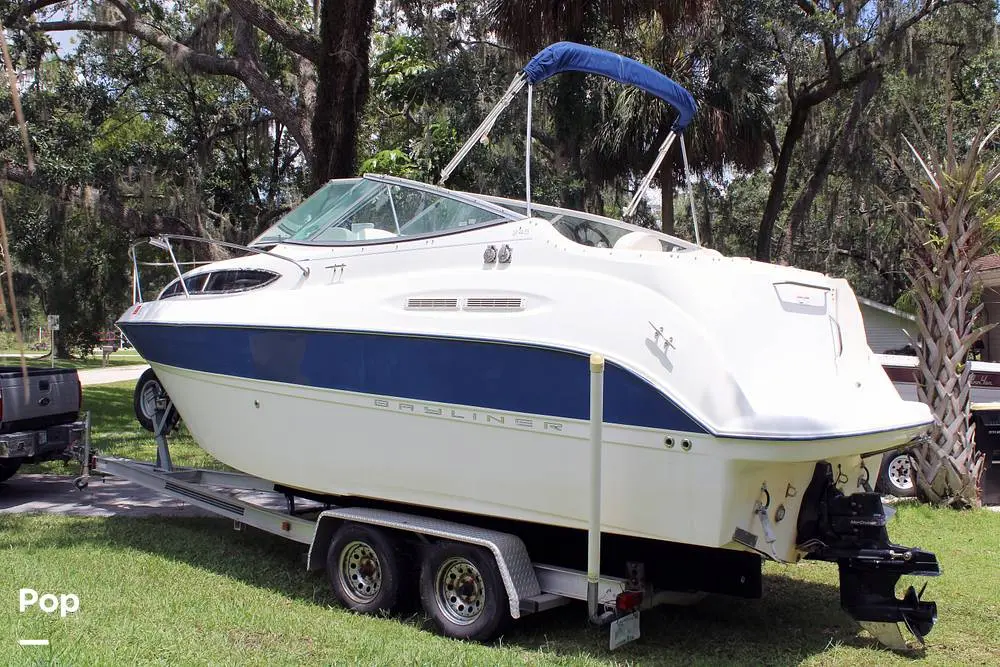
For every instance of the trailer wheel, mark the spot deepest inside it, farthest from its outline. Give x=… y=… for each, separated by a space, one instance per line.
x=363 y=564
x=896 y=475
x=147 y=390
x=461 y=590
x=8 y=468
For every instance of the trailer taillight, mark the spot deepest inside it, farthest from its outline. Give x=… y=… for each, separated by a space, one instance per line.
x=628 y=601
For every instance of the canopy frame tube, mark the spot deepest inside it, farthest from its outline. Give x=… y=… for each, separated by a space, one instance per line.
x=484 y=128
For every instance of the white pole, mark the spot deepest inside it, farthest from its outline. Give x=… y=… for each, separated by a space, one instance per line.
x=484 y=128
x=527 y=156
x=648 y=178
x=52 y=346
x=687 y=177
x=594 y=532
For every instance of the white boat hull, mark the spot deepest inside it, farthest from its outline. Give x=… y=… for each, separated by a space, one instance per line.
x=448 y=456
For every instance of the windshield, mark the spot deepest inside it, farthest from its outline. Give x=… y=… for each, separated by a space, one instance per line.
x=378 y=208
x=591 y=230
x=314 y=211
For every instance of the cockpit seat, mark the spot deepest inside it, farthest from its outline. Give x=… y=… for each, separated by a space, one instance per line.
x=642 y=241
x=371 y=233
x=367 y=231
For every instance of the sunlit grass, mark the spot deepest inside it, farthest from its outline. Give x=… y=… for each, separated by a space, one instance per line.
x=36 y=359
x=193 y=591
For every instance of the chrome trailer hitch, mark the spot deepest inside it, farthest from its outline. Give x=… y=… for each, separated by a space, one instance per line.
x=850 y=531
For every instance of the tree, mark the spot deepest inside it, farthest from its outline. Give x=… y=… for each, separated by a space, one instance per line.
x=172 y=152
x=827 y=47
x=319 y=105
x=707 y=46
x=714 y=54
x=954 y=213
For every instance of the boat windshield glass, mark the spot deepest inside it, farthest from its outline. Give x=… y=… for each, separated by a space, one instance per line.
x=380 y=208
x=591 y=230
x=318 y=209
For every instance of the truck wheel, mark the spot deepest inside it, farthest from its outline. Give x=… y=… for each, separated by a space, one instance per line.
x=896 y=476
x=363 y=565
x=461 y=590
x=8 y=468
x=147 y=390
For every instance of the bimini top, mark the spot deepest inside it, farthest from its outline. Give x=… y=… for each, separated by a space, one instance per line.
x=569 y=56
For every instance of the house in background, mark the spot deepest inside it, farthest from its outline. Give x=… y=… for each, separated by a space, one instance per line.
x=988 y=276
x=888 y=329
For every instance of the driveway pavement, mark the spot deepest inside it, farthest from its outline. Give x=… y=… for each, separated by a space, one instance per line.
x=111 y=374
x=55 y=494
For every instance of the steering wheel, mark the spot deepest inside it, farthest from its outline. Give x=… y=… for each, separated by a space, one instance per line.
x=586 y=234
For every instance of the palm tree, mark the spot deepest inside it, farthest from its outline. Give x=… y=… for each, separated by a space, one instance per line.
x=732 y=129
x=950 y=218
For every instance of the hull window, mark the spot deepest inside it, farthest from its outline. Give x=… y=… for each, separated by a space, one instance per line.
x=221 y=282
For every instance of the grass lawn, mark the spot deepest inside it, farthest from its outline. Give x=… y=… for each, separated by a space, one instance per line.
x=35 y=359
x=193 y=591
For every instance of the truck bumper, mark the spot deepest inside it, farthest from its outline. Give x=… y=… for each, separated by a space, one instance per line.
x=42 y=445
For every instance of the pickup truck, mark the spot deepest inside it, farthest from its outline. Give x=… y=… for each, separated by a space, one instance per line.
x=39 y=416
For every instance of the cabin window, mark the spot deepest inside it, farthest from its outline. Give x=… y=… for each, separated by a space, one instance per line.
x=221 y=282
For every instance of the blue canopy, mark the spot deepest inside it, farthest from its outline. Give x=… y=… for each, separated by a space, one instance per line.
x=569 y=56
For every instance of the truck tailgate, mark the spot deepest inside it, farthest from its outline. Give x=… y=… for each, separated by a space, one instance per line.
x=49 y=397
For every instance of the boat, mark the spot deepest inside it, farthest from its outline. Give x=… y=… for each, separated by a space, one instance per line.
x=903 y=370
x=404 y=343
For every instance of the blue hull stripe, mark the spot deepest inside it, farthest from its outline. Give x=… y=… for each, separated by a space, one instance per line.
x=493 y=375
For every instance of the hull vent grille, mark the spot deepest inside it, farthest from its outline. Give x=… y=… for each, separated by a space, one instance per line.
x=494 y=303
x=432 y=304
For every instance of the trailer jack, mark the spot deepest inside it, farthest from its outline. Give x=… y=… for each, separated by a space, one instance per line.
x=850 y=531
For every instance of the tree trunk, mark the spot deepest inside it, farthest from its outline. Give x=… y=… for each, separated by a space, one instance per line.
x=837 y=147
x=705 y=217
x=667 y=197
x=796 y=127
x=342 y=86
x=947 y=468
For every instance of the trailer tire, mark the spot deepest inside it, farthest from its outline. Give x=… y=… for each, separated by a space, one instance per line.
x=8 y=468
x=462 y=592
x=147 y=389
x=363 y=564
x=896 y=475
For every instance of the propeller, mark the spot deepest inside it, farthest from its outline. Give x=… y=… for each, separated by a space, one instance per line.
x=918 y=616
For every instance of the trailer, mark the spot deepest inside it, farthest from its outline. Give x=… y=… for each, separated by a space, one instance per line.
x=472 y=579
